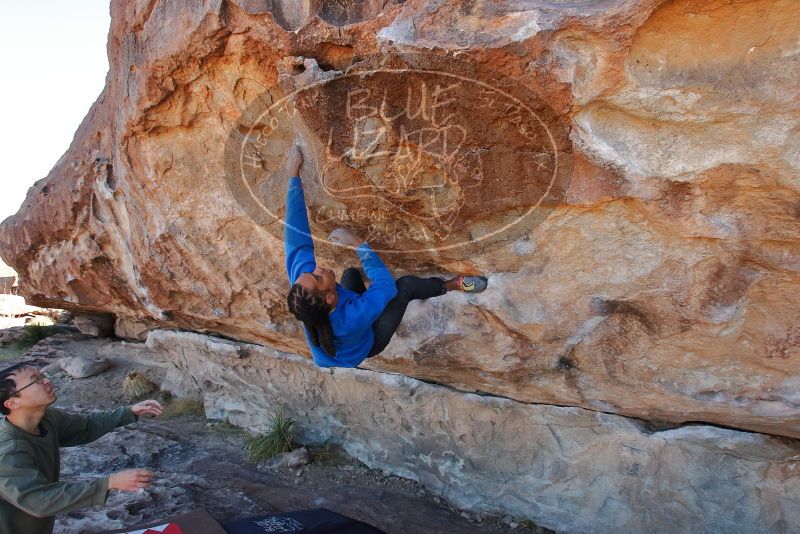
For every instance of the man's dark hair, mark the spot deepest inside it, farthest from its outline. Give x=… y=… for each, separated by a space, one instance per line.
x=8 y=386
x=310 y=308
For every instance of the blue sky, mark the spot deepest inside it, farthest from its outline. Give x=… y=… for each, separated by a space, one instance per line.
x=53 y=63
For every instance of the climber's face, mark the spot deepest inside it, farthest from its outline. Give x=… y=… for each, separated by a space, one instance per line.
x=321 y=281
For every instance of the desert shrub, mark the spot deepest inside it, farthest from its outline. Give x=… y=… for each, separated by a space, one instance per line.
x=36 y=332
x=31 y=334
x=276 y=440
x=137 y=385
x=41 y=320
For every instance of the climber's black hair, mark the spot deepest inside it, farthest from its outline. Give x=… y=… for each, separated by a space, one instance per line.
x=310 y=308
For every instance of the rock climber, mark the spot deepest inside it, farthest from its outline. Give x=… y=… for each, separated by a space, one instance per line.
x=30 y=436
x=347 y=322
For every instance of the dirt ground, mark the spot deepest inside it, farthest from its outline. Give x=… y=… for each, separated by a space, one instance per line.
x=203 y=464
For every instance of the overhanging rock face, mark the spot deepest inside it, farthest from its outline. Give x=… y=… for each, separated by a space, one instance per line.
x=625 y=171
x=566 y=468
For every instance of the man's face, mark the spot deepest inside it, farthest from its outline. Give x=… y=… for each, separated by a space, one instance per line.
x=36 y=395
x=320 y=281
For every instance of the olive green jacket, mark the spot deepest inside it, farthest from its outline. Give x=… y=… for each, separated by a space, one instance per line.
x=30 y=492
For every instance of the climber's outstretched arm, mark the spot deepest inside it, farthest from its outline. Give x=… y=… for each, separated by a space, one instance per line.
x=297 y=242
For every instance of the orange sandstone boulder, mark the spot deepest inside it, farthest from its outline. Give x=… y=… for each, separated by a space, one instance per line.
x=626 y=172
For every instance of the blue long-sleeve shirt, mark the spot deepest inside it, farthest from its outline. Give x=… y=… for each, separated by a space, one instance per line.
x=354 y=314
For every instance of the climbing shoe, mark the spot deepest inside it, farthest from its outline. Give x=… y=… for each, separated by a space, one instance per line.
x=472 y=284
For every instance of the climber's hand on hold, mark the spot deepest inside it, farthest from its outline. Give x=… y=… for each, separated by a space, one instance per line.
x=295 y=157
x=343 y=236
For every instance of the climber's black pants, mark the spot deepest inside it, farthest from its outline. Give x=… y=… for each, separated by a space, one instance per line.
x=408 y=288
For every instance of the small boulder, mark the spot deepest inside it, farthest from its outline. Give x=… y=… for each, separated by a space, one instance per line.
x=94 y=324
x=52 y=369
x=296 y=458
x=131 y=328
x=82 y=366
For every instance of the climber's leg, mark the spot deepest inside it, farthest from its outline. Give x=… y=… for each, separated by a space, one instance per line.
x=408 y=288
x=352 y=280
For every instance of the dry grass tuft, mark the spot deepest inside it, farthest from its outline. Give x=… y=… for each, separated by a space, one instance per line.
x=137 y=385
x=34 y=333
x=179 y=407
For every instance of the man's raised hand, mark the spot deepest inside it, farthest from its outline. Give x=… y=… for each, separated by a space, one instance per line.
x=148 y=407
x=130 y=480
